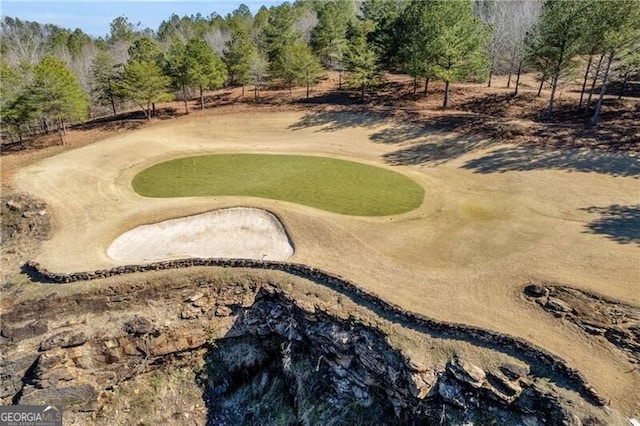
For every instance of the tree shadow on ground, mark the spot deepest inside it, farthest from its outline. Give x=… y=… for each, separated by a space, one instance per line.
x=618 y=223
x=521 y=158
x=331 y=121
x=439 y=151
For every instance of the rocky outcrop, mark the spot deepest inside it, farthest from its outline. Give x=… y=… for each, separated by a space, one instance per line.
x=478 y=336
x=23 y=218
x=253 y=334
x=615 y=322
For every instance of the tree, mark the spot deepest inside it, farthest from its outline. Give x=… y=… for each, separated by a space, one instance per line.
x=176 y=66
x=629 y=63
x=121 y=30
x=329 y=37
x=258 y=67
x=145 y=50
x=57 y=94
x=621 y=27
x=144 y=84
x=176 y=29
x=240 y=49
x=205 y=69
x=384 y=14
x=280 y=30
x=362 y=61
x=12 y=101
x=456 y=42
x=308 y=68
x=22 y=42
x=413 y=32
x=104 y=78
x=555 y=41
x=297 y=64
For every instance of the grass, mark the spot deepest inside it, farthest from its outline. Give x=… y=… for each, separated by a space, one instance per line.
x=338 y=186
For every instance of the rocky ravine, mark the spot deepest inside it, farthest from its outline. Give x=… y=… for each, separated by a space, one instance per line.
x=309 y=356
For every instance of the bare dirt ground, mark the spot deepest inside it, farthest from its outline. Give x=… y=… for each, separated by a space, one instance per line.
x=496 y=215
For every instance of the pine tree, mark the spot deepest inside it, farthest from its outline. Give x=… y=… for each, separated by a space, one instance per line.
x=240 y=49
x=297 y=64
x=12 y=101
x=175 y=66
x=104 y=78
x=205 y=69
x=144 y=84
x=620 y=23
x=455 y=42
x=555 y=41
x=362 y=60
x=329 y=37
x=57 y=94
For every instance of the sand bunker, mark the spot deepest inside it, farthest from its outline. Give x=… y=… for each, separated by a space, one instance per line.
x=238 y=232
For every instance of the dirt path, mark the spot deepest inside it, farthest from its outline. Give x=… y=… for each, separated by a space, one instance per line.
x=495 y=217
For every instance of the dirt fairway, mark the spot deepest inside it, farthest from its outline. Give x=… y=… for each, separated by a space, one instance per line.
x=495 y=217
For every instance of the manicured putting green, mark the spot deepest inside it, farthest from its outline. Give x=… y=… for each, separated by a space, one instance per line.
x=337 y=186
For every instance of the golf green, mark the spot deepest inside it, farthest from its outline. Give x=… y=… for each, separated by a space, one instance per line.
x=329 y=184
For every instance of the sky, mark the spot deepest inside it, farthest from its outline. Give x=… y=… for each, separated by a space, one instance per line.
x=93 y=17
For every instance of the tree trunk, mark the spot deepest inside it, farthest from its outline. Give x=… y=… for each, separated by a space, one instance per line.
x=201 y=98
x=147 y=111
x=445 y=104
x=540 y=87
x=308 y=84
x=61 y=132
x=490 y=72
x=513 y=59
x=426 y=86
x=184 y=99
x=593 y=83
x=603 y=89
x=113 y=102
x=554 y=87
x=584 y=82
x=624 y=85
x=515 y=93
x=153 y=109
x=554 y=82
x=243 y=90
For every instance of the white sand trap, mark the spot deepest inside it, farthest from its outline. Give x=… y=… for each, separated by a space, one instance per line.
x=238 y=232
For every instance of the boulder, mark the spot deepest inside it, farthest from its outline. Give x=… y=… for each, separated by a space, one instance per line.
x=466 y=372
x=514 y=371
x=536 y=290
x=65 y=339
x=557 y=305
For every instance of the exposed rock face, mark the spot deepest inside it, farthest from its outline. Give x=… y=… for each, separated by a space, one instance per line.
x=259 y=343
x=23 y=217
x=618 y=323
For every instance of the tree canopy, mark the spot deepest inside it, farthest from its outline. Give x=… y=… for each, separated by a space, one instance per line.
x=291 y=43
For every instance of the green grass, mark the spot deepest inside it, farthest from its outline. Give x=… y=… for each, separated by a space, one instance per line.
x=329 y=184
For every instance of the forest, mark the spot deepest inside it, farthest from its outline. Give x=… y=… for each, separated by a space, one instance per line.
x=54 y=77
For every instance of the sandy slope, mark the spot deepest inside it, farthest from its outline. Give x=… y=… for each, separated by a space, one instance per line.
x=239 y=232
x=486 y=227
